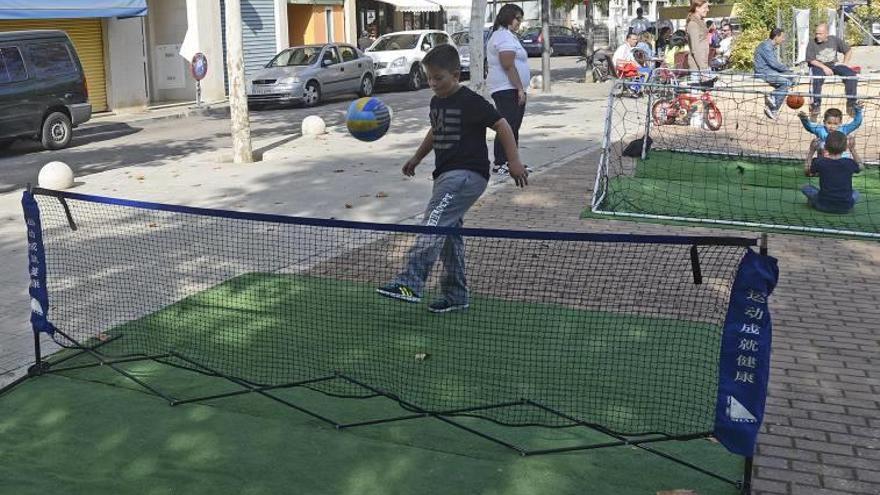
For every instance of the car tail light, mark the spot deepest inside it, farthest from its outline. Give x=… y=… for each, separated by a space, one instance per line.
x=540 y=37
x=86 y=87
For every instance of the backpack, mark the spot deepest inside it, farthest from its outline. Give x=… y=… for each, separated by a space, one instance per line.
x=634 y=148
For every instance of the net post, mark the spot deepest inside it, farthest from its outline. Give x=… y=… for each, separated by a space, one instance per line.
x=647 y=117
x=746 y=487
x=763 y=244
x=695 y=265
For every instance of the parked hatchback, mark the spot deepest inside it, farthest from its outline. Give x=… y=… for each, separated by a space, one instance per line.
x=309 y=73
x=397 y=56
x=462 y=40
x=563 y=41
x=43 y=93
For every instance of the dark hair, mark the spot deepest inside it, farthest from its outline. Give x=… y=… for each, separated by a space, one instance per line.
x=775 y=32
x=444 y=57
x=835 y=143
x=832 y=113
x=679 y=38
x=639 y=12
x=709 y=23
x=506 y=15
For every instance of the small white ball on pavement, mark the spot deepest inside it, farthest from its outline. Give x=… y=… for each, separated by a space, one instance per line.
x=537 y=82
x=55 y=175
x=313 y=126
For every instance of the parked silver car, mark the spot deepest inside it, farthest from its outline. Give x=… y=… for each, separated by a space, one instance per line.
x=308 y=73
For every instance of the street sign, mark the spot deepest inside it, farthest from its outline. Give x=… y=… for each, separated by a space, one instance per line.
x=199 y=66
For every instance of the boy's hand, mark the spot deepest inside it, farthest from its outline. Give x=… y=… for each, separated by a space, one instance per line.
x=409 y=168
x=802 y=114
x=518 y=172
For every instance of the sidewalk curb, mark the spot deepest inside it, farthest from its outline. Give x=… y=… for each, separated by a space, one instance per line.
x=218 y=109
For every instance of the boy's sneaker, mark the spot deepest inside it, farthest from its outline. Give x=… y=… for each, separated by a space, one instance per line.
x=444 y=306
x=770 y=113
x=399 y=291
x=814 y=113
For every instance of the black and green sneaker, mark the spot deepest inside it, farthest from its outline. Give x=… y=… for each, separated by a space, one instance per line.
x=444 y=306
x=399 y=291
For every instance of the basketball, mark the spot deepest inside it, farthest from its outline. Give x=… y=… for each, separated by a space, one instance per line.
x=794 y=101
x=368 y=119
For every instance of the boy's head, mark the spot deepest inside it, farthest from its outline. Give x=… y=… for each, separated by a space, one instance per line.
x=835 y=143
x=443 y=68
x=832 y=119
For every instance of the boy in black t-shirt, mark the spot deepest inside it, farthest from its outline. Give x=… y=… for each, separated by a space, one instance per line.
x=459 y=118
x=835 y=193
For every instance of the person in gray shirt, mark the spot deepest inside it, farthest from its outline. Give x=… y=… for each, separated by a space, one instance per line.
x=822 y=58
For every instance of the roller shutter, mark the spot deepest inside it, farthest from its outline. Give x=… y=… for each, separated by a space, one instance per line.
x=88 y=38
x=257 y=33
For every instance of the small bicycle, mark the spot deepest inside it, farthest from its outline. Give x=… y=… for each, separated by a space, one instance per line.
x=681 y=108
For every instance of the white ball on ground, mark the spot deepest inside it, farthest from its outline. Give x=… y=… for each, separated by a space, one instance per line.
x=55 y=175
x=537 y=82
x=313 y=126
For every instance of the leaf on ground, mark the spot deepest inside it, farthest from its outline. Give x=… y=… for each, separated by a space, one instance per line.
x=381 y=194
x=339 y=171
x=348 y=205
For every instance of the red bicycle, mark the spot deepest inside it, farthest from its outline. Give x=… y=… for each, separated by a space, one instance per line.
x=680 y=108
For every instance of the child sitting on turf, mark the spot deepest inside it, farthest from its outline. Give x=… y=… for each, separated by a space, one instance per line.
x=835 y=193
x=459 y=118
x=830 y=122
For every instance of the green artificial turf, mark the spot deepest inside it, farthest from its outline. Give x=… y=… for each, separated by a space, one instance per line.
x=736 y=189
x=93 y=431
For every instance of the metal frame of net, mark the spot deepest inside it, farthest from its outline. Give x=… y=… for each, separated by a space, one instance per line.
x=749 y=171
x=616 y=333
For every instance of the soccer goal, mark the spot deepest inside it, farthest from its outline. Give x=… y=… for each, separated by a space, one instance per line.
x=711 y=154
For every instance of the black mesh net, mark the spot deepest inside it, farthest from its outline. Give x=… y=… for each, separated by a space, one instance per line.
x=618 y=331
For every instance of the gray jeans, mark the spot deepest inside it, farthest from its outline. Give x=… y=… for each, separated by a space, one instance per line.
x=453 y=195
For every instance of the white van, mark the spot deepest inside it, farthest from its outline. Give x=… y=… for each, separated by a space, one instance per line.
x=397 y=56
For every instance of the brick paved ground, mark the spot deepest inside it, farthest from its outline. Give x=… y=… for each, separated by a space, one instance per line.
x=821 y=432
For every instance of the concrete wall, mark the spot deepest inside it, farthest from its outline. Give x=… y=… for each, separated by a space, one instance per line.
x=204 y=19
x=167 y=22
x=350 y=15
x=125 y=63
x=281 y=25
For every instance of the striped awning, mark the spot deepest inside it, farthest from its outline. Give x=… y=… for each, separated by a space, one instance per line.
x=413 y=5
x=71 y=9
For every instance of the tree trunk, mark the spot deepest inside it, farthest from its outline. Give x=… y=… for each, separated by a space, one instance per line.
x=545 y=52
x=242 y=152
x=477 y=47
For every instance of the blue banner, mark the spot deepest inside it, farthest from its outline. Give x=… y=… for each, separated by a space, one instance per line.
x=36 y=266
x=744 y=367
x=66 y=9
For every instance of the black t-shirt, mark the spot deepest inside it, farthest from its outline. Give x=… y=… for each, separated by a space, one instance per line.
x=835 y=182
x=459 y=122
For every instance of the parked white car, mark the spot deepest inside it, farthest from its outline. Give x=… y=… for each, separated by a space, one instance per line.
x=397 y=56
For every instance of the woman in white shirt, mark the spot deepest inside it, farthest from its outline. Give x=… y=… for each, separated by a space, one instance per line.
x=508 y=75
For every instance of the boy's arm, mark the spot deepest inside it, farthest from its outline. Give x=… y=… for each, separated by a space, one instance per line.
x=854 y=123
x=514 y=166
x=855 y=154
x=811 y=127
x=409 y=168
x=808 y=163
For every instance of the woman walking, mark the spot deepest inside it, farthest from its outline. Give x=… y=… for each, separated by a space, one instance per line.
x=508 y=75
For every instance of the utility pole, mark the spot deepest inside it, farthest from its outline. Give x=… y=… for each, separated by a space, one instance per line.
x=545 y=52
x=477 y=47
x=242 y=151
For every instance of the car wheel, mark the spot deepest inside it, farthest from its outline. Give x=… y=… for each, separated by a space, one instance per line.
x=57 y=131
x=366 y=86
x=415 y=78
x=312 y=94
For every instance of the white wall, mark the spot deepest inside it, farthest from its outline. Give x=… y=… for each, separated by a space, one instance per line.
x=350 y=15
x=203 y=19
x=282 y=39
x=167 y=23
x=126 y=63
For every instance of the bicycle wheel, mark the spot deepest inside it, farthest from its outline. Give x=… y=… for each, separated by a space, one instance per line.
x=712 y=116
x=664 y=112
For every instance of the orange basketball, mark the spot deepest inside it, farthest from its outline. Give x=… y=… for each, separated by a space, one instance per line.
x=794 y=101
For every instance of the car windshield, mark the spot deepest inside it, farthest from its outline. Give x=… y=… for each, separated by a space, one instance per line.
x=304 y=55
x=462 y=38
x=395 y=42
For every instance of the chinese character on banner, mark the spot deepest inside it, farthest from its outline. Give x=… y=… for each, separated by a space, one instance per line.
x=747 y=361
x=744 y=377
x=756 y=296
x=748 y=345
x=31 y=222
x=754 y=312
x=751 y=328
x=35 y=272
